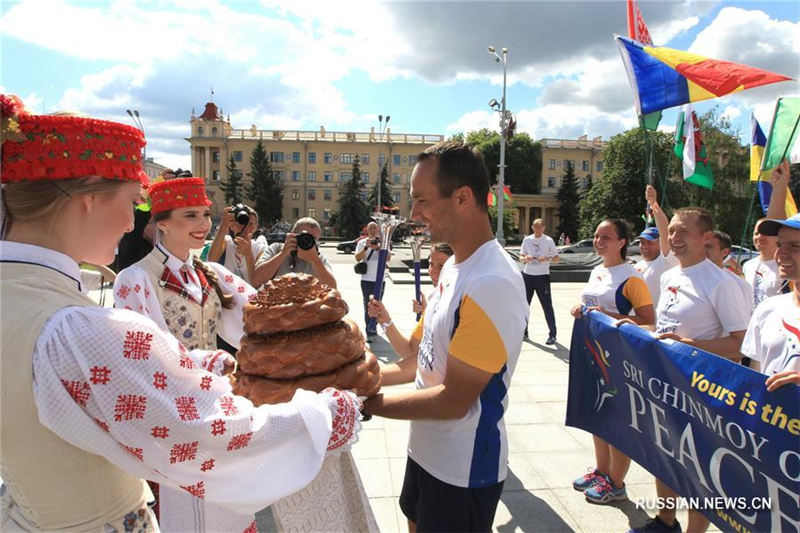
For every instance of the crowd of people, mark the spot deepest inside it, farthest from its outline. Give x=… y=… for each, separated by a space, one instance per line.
x=101 y=399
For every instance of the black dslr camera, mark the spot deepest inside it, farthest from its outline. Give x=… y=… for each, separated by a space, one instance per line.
x=305 y=241
x=241 y=214
x=375 y=241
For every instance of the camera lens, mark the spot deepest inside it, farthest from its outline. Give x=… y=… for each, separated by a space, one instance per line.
x=241 y=214
x=305 y=241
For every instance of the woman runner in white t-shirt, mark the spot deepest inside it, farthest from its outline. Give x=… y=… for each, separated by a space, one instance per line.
x=617 y=289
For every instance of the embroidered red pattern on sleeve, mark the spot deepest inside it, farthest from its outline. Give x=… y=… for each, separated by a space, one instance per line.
x=344 y=420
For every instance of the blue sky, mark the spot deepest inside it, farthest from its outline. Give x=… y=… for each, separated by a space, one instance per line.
x=303 y=64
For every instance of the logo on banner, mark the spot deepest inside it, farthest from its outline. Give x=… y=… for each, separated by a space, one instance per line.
x=599 y=362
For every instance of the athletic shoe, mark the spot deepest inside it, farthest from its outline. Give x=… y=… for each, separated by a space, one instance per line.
x=550 y=340
x=656 y=525
x=604 y=492
x=587 y=480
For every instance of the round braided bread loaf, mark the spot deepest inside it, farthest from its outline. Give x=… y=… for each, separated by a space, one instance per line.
x=292 y=302
x=362 y=375
x=306 y=352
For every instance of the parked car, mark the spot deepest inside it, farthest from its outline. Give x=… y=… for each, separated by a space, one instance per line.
x=742 y=254
x=349 y=247
x=584 y=246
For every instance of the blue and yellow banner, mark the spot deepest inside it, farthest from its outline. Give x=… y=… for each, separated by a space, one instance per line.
x=703 y=425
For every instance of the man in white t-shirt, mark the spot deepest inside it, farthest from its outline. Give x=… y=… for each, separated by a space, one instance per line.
x=772 y=341
x=537 y=252
x=717 y=250
x=653 y=263
x=470 y=337
x=700 y=305
x=762 y=272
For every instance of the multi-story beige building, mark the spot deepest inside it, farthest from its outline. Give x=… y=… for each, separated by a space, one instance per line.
x=311 y=165
x=585 y=156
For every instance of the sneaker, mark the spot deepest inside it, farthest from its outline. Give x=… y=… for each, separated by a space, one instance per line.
x=587 y=480
x=604 y=492
x=656 y=525
x=550 y=340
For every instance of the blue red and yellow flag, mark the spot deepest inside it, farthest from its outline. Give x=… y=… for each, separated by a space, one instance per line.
x=663 y=77
x=782 y=137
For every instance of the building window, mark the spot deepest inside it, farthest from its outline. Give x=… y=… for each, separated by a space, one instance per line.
x=395 y=178
x=599 y=166
x=295 y=195
x=563 y=181
x=551 y=164
x=327 y=176
x=295 y=157
x=312 y=194
x=551 y=182
x=364 y=196
x=237 y=156
x=312 y=158
x=568 y=164
x=312 y=212
x=214 y=131
x=295 y=175
x=295 y=213
x=381 y=161
x=365 y=159
x=215 y=175
x=215 y=157
x=584 y=183
x=412 y=160
x=276 y=157
x=346 y=159
x=312 y=175
x=396 y=197
x=326 y=215
x=396 y=160
x=585 y=166
x=365 y=177
x=345 y=176
x=237 y=173
x=327 y=194
x=199 y=131
x=328 y=157
x=278 y=175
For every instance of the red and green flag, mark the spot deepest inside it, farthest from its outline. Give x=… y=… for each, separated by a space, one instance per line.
x=690 y=148
x=491 y=198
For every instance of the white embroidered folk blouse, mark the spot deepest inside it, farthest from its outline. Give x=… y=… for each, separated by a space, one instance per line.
x=111 y=382
x=133 y=289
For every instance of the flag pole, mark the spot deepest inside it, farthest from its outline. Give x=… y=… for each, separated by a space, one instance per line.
x=769 y=139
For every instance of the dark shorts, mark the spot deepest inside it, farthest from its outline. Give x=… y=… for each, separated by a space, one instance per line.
x=438 y=506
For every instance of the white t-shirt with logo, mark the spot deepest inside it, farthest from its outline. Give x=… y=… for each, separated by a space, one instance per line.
x=619 y=289
x=773 y=337
x=747 y=290
x=538 y=247
x=763 y=277
x=651 y=272
x=477 y=316
x=701 y=302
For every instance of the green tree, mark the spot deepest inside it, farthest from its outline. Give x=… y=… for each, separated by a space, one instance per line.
x=233 y=188
x=523 y=159
x=353 y=212
x=264 y=190
x=620 y=193
x=386 y=193
x=568 y=211
x=508 y=221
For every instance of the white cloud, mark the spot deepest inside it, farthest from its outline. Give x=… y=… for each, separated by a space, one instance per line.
x=474 y=120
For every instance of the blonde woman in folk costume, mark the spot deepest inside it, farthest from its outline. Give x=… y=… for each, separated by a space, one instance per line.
x=97 y=400
x=194 y=301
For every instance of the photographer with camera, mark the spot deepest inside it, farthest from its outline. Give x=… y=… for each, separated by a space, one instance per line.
x=234 y=246
x=367 y=266
x=298 y=253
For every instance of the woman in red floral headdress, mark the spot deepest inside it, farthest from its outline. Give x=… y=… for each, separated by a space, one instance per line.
x=96 y=400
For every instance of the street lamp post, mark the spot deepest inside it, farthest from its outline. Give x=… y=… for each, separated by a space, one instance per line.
x=138 y=122
x=503 y=126
x=381 y=127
